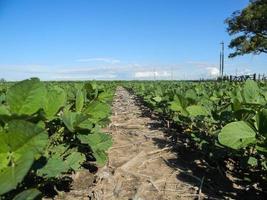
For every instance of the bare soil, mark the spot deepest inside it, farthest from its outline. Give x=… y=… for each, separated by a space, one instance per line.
x=138 y=166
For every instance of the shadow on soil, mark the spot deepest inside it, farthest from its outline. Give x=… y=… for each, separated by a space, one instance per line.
x=193 y=165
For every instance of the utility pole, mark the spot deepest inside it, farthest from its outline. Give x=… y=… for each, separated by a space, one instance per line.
x=220 y=63
x=222 y=59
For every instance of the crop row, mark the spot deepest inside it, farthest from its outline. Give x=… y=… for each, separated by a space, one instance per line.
x=224 y=120
x=48 y=130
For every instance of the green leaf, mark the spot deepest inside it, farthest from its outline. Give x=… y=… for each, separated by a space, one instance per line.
x=22 y=137
x=175 y=106
x=28 y=137
x=158 y=99
x=79 y=102
x=262 y=122
x=98 y=111
x=74 y=120
x=4 y=110
x=29 y=194
x=97 y=140
x=196 y=110
x=236 y=95
x=11 y=176
x=59 y=149
x=105 y=96
x=100 y=156
x=244 y=114
x=179 y=105
x=99 y=143
x=56 y=98
x=61 y=161
x=191 y=94
x=237 y=135
x=264 y=165
x=251 y=92
x=54 y=167
x=26 y=97
x=2 y=98
x=74 y=160
x=262 y=148
x=252 y=161
x=91 y=90
x=18 y=146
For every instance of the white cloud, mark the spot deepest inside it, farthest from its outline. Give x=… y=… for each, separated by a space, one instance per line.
x=213 y=71
x=151 y=74
x=85 y=77
x=245 y=71
x=105 y=60
x=201 y=64
x=104 y=71
x=90 y=69
x=20 y=72
x=144 y=74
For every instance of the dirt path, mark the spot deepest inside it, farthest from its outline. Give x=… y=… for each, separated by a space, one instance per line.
x=137 y=167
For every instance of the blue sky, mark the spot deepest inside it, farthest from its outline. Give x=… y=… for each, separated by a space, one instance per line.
x=117 y=39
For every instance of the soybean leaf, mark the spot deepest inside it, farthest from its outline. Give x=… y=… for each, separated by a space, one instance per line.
x=22 y=137
x=26 y=97
x=252 y=161
x=157 y=99
x=18 y=146
x=262 y=122
x=79 y=101
x=29 y=194
x=244 y=114
x=4 y=110
x=74 y=160
x=237 y=135
x=74 y=120
x=179 y=105
x=55 y=99
x=251 y=92
x=54 y=167
x=196 y=110
x=97 y=111
x=99 y=143
x=11 y=176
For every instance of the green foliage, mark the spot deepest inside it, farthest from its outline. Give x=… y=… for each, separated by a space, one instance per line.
x=26 y=97
x=99 y=142
x=74 y=160
x=262 y=122
x=252 y=161
x=74 y=120
x=98 y=111
x=196 y=110
x=4 y=111
x=237 y=135
x=79 y=101
x=56 y=99
x=29 y=194
x=225 y=120
x=157 y=99
x=179 y=104
x=21 y=138
x=40 y=124
x=12 y=175
x=250 y=27
x=251 y=92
